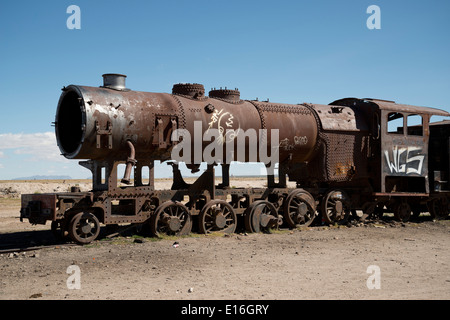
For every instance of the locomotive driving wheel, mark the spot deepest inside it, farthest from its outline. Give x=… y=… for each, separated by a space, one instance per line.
x=299 y=208
x=261 y=216
x=217 y=215
x=335 y=206
x=171 y=218
x=84 y=227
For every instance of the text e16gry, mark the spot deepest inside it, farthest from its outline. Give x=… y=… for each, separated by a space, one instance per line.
x=230 y=309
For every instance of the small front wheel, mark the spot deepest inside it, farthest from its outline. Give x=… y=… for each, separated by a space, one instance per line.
x=84 y=227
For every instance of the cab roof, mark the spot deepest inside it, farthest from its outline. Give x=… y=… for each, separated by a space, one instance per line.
x=391 y=106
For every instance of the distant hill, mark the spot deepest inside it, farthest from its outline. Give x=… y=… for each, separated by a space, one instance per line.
x=44 y=178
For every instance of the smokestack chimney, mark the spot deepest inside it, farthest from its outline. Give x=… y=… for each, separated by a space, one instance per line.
x=114 y=81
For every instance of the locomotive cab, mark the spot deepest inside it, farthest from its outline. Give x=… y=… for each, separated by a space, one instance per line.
x=404 y=160
x=405 y=136
x=408 y=158
x=400 y=142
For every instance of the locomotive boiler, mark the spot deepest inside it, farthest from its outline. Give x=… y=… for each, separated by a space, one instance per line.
x=343 y=157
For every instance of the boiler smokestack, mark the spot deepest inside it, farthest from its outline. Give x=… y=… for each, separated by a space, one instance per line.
x=114 y=81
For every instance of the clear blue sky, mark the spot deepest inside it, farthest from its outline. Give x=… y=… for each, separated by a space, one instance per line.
x=288 y=51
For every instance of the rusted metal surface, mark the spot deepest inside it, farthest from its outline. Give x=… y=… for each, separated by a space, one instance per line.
x=298 y=131
x=97 y=123
x=340 y=118
x=342 y=157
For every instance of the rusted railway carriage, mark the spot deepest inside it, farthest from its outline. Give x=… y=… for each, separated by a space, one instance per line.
x=343 y=157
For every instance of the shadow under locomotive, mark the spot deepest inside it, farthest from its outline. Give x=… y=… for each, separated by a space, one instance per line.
x=39 y=239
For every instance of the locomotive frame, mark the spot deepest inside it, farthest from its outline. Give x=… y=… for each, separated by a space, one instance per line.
x=345 y=159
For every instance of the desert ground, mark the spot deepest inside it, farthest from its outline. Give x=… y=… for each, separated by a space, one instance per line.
x=380 y=259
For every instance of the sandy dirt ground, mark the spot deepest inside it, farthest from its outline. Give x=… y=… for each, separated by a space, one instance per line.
x=376 y=260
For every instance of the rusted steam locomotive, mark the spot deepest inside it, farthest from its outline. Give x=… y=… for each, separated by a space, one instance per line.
x=343 y=157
